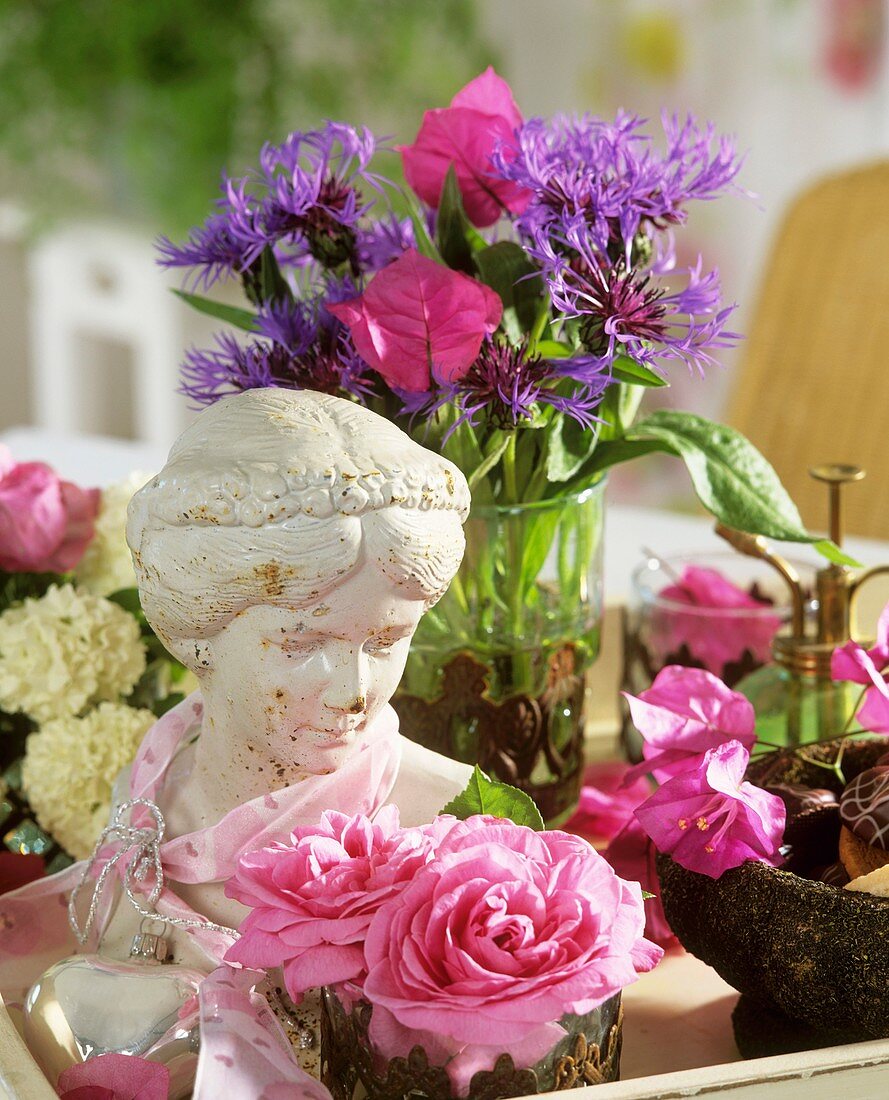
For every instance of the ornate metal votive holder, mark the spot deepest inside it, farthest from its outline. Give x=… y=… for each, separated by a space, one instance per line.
x=589 y=1054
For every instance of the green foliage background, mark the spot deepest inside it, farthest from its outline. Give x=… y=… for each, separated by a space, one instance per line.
x=133 y=107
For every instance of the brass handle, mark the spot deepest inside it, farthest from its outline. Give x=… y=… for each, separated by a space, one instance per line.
x=755 y=546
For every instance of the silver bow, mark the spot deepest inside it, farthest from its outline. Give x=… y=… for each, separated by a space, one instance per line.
x=145 y=844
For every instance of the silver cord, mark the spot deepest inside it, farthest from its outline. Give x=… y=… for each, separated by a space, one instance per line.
x=146 y=845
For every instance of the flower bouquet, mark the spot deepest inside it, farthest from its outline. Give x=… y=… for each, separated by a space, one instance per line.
x=82 y=676
x=509 y=308
x=474 y=957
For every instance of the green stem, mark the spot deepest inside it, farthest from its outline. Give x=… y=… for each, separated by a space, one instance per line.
x=509 y=479
x=854 y=711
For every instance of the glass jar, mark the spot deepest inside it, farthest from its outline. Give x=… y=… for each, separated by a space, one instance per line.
x=718 y=611
x=496 y=670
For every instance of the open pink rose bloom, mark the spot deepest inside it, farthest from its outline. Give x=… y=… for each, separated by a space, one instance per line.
x=470 y=938
x=45 y=523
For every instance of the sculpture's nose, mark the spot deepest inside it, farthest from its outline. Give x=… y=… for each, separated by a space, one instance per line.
x=347 y=691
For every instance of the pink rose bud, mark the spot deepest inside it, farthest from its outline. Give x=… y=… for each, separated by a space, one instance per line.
x=45 y=523
x=416 y=317
x=481 y=116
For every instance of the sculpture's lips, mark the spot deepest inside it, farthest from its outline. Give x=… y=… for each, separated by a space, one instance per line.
x=332 y=738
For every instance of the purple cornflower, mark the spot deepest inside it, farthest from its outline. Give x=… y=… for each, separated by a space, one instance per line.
x=212 y=251
x=384 y=241
x=610 y=179
x=508 y=385
x=298 y=347
x=630 y=311
x=304 y=202
x=312 y=200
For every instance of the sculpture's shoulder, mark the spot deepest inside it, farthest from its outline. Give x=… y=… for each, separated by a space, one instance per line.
x=426 y=782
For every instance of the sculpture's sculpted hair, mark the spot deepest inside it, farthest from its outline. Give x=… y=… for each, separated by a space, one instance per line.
x=274 y=496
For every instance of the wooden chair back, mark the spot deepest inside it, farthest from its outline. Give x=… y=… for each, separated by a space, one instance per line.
x=814 y=385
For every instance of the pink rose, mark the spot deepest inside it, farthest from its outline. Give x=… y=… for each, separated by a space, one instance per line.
x=709 y=820
x=45 y=523
x=481 y=116
x=632 y=855
x=115 y=1077
x=713 y=640
x=314 y=898
x=501 y=934
x=417 y=316
x=685 y=712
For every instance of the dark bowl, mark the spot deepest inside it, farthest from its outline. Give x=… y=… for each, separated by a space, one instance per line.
x=817 y=954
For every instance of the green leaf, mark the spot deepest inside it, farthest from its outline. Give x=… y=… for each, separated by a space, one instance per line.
x=835 y=555
x=488 y=796
x=646 y=896
x=506 y=268
x=456 y=237
x=554 y=349
x=625 y=369
x=570 y=444
x=240 y=318
x=273 y=286
x=618 y=409
x=611 y=452
x=730 y=476
x=425 y=244
x=494 y=451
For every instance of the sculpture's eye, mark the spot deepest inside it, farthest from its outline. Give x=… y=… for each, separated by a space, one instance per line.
x=381 y=644
x=298 y=645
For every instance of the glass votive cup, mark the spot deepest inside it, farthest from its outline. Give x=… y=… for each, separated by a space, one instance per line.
x=717 y=611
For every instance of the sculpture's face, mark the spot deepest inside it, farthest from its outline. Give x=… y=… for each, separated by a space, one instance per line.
x=310 y=679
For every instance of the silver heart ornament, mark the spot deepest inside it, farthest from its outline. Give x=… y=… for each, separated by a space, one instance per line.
x=88 y=1005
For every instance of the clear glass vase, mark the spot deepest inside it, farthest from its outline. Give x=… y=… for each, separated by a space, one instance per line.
x=496 y=670
x=353 y=1065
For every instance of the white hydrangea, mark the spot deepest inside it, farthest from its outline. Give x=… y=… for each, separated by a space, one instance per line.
x=70 y=767
x=65 y=651
x=106 y=566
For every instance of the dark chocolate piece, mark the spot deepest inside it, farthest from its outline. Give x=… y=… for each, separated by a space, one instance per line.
x=801 y=800
x=835 y=875
x=864 y=806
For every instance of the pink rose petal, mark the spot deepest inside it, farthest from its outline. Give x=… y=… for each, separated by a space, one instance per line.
x=120 y=1076
x=416 y=316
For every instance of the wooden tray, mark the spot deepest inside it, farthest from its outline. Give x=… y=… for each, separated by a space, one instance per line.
x=677 y=1043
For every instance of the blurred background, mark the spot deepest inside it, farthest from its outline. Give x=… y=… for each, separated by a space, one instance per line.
x=117 y=116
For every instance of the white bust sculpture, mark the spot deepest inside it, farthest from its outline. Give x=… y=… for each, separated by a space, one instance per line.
x=285 y=554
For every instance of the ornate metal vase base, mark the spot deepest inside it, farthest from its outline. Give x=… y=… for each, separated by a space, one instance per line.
x=588 y=1055
x=533 y=742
